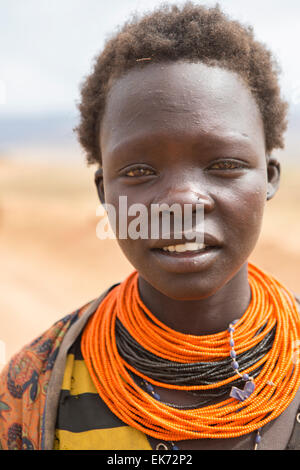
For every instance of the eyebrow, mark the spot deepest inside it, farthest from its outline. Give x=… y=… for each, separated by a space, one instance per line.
x=151 y=140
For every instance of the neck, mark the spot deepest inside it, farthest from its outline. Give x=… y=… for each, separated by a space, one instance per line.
x=205 y=316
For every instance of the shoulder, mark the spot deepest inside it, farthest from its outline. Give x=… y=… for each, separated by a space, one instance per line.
x=41 y=353
x=23 y=385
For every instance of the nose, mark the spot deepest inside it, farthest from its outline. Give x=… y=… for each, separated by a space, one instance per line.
x=186 y=191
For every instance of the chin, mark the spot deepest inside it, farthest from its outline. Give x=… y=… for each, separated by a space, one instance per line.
x=185 y=287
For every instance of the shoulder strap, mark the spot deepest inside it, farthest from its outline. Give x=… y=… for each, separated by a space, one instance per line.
x=54 y=386
x=294 y=442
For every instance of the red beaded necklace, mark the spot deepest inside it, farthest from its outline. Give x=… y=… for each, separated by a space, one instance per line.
x=275 y=386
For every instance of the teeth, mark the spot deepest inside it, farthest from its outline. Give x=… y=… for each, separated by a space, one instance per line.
x=184 y=247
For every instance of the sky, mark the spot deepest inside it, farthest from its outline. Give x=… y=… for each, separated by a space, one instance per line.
x=47 y=46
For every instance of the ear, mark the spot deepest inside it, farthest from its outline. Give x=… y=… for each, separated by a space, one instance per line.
x=99 y=185
x=273 y=169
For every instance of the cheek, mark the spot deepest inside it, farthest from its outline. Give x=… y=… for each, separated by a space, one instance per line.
x=138 y=255
x=243 y=211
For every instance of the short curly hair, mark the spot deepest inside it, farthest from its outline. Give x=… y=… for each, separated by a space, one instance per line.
x=193 y=33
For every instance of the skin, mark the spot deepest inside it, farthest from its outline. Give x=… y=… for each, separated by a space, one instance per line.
x=198 y=132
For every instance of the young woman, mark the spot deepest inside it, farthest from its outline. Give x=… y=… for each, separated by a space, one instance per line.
x=196 y=349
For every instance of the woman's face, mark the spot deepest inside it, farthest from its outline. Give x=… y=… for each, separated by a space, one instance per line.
x=185 y=133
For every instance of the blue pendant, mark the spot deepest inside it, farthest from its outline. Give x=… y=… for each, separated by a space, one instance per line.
x=242 y=395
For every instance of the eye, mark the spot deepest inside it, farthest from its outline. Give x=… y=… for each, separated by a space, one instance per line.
x=228 y=165
x=137 y=172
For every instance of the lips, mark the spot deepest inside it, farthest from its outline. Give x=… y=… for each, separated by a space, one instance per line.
x=208 y=240
x=184 y=247
x=184 y=256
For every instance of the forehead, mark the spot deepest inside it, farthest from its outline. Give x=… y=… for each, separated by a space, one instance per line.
x=180 y=98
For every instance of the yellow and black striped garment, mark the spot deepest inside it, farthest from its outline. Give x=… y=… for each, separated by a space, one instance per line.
x=84 y=422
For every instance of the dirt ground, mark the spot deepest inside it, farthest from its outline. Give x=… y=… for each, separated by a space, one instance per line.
x=52 y=262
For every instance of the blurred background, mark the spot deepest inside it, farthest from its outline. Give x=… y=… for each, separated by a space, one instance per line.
x=51 y=260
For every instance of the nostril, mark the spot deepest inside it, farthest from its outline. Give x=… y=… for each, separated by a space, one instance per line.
x=206 y=201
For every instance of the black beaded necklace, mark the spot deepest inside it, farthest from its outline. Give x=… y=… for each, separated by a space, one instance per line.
x=201 y=373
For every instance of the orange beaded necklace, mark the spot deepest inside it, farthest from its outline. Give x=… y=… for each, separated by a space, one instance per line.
x=275 y=386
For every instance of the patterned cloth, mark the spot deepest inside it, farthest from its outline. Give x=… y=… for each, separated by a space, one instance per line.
x=23 y=387
x=84 y=422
